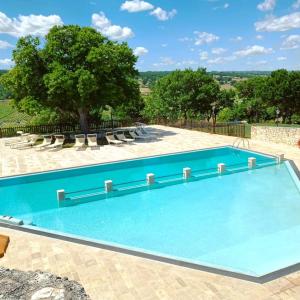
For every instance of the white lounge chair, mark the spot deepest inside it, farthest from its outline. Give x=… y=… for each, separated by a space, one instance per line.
x=46 y=142
x=111 y=139
x=24 y=137
x=145 y=135
x=92 y=140
x=30 y=143
x=137 y=137
x=79 y=141
x=121 y=136
x=58 y=143
x=144 y=129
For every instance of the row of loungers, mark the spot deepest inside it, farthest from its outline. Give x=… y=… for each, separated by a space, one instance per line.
x=113 y=138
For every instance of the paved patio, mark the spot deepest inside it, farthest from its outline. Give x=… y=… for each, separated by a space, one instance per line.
x=111 y=275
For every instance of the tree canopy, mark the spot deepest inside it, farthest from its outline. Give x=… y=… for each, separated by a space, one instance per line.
x=186 y=93
x=75 y=71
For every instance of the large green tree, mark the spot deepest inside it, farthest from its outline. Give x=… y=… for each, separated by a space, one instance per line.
x=181 y=94
x=75 y=71
x=284 y=93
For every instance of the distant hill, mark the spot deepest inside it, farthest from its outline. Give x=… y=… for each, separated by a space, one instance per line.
x=224 y=77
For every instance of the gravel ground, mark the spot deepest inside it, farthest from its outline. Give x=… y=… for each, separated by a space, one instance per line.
x=37 y=285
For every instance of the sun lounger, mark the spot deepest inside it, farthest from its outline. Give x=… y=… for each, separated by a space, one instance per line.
x=4 y=241
x=46 y=142
x=92 y=140
x=79 y=141
x=58 y=143
x=145 y=135
x=143 y=129
x=30 y=143
x=137 y=137
x=121 y=136
x=111 y=139
x=24 y=137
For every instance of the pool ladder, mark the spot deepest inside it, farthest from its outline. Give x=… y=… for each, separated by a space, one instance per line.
x=241 y=141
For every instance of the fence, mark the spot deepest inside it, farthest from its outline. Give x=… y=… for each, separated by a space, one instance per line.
x=231 y=129
x=61 y=128
x=237 y=129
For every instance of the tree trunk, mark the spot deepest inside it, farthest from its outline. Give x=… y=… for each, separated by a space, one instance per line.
x=83 y=120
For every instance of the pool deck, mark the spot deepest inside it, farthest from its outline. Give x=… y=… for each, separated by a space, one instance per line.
x=111 y=275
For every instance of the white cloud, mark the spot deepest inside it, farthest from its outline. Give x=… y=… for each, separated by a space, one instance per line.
x=185 y=39
x=186 y=63
x=221 y=60
x=218 y=51
x=215 y=61
x=296 y=5
x=267 y=5
x=37 y=25
x=205 y=38
x=163 y=15
x=101 y=23
x=139 y=51
x=165 y=61
x=284 y=23
x=259 y=37
x=164 y=45
x=203 y=55
x=291 y=42
x=237 y=39
x=225 y=6
x=281 y=58
x=6 y=63
x=5 y=45
x=253 y=50
x=168 y=62
x=133 y=6
x=258 y=63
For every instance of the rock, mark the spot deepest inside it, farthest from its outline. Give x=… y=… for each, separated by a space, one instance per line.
x=48 y=293
x=38 y=285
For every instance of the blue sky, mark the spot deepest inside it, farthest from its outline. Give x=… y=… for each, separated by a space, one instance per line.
x=167 y=35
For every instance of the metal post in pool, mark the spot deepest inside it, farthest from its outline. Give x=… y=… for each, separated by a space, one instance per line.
x=187 y=173
x=251 y=162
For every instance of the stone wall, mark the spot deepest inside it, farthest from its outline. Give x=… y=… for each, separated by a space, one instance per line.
x=285 y=135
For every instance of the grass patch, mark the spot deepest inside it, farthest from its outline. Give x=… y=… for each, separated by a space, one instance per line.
x=11 y=117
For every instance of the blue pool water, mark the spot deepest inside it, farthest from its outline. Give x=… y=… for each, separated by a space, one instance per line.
x=246 y=221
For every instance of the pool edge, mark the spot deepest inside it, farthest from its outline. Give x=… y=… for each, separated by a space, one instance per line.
x=214 y=270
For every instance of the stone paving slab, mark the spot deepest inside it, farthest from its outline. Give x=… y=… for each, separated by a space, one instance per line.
x=14 y=161
x=110 y=275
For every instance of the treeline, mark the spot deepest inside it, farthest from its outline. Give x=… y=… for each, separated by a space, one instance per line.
x=196 y=94
x=149 y=78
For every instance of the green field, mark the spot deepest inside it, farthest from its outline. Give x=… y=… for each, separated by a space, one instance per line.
x=10 y=117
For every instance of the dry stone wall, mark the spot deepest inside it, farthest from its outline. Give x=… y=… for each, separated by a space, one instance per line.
x=285 y=135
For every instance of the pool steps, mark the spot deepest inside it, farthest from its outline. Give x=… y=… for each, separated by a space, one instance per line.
x=11 y=220
x=151 y=182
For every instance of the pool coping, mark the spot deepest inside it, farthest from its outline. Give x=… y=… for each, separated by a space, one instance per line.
x=127 y=160
x=214 y=270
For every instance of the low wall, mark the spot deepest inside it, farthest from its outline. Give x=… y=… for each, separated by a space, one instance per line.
x=285 y=135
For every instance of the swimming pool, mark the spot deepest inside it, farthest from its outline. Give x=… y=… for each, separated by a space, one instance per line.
x=245 y=221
